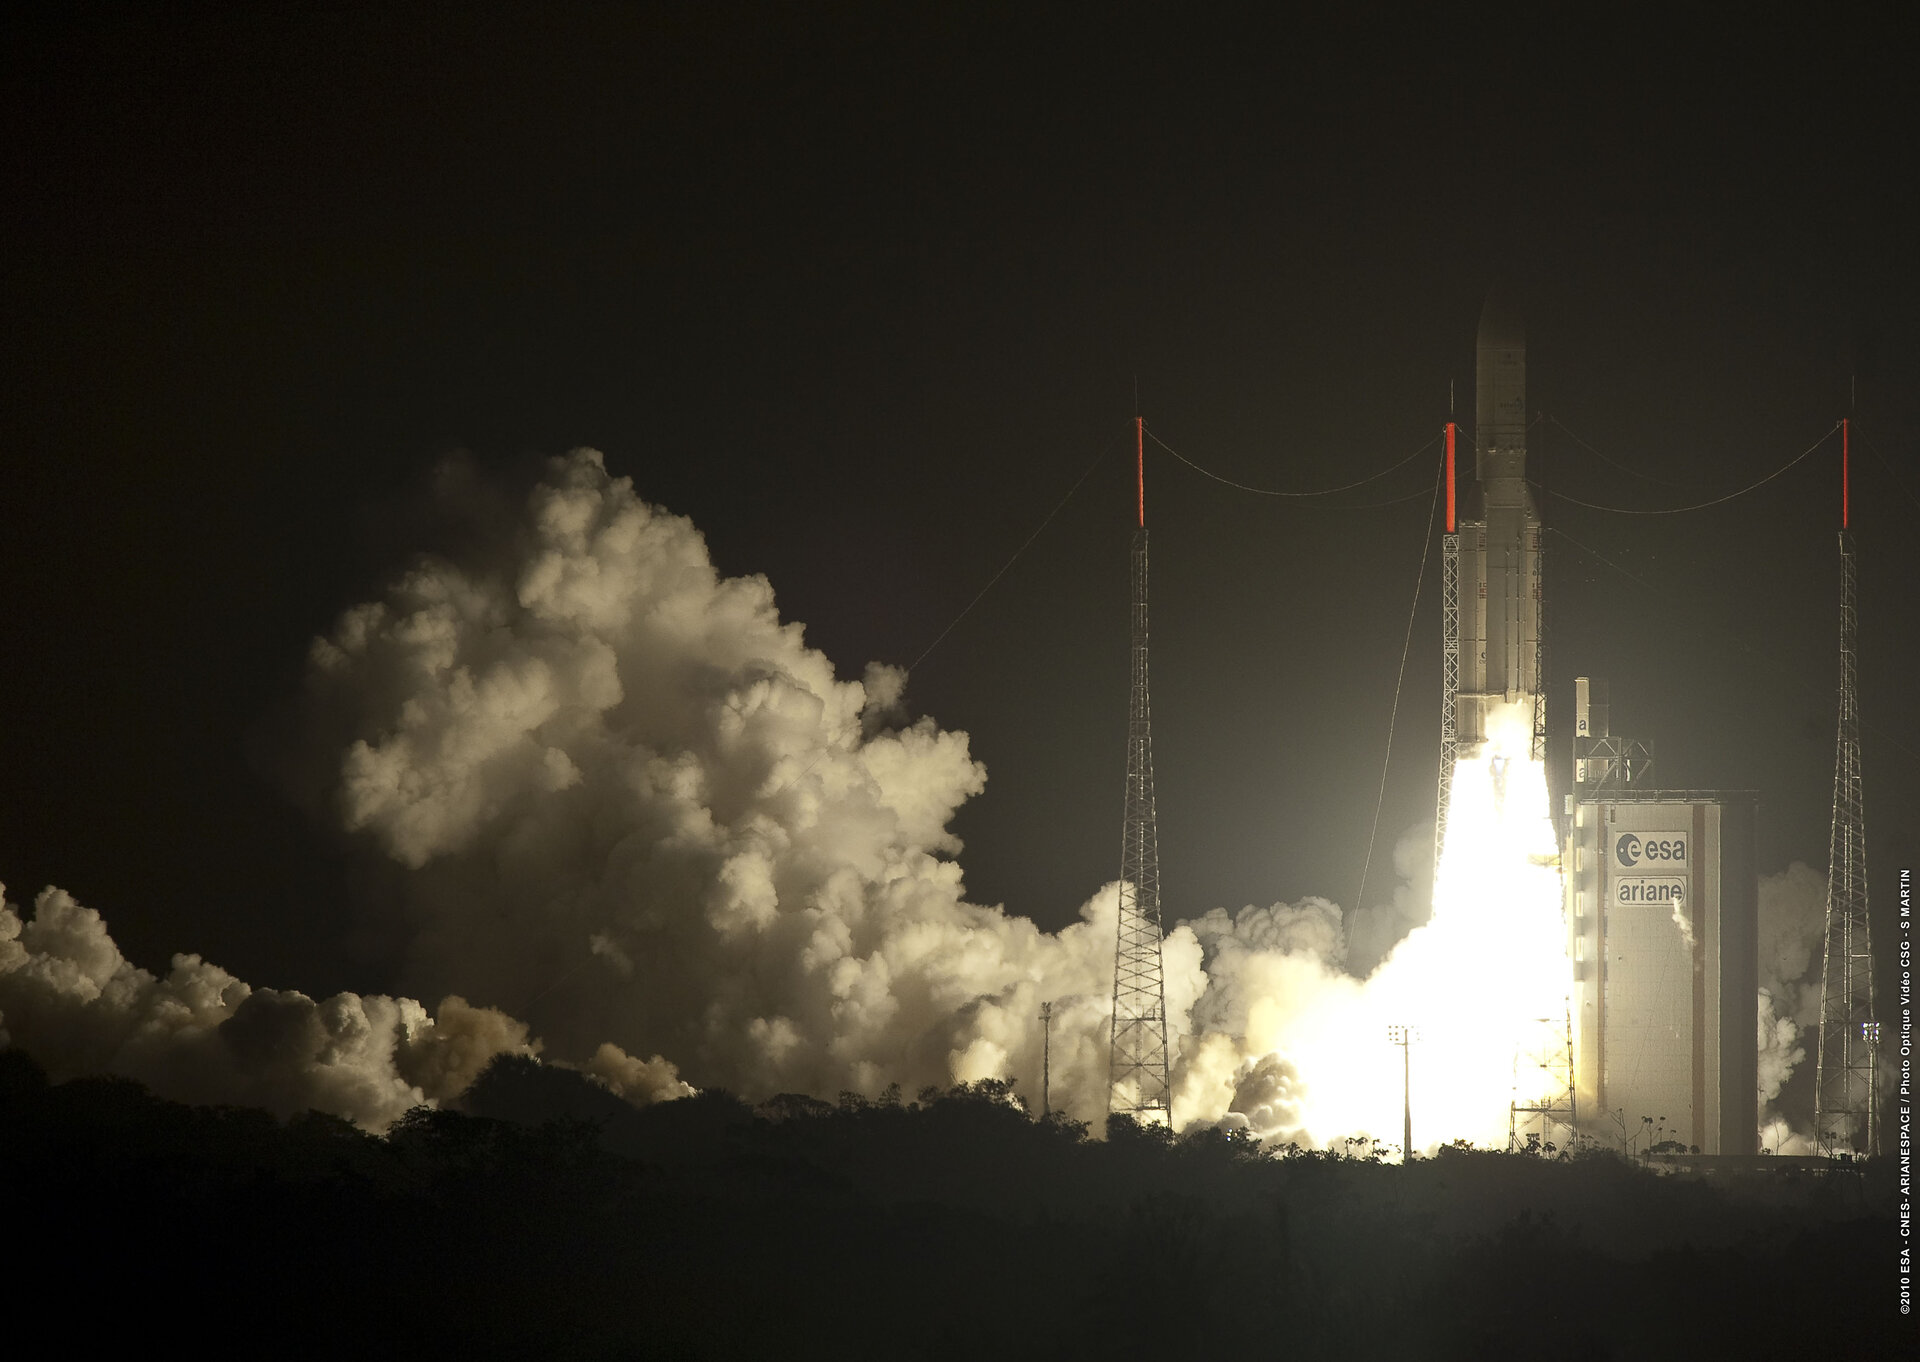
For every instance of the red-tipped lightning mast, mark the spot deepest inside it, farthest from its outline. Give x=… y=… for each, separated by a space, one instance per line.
x=1140 y=463
x=1846 y=1115
x=1137 y=1078
x=1846 y=470
x=1450 y=662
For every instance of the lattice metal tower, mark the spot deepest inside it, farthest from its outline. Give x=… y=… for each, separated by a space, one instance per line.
x=1539 y=748
x=1845 y=1114
x=1138 y=1084
x=1450 y=664
x=1543 y=1067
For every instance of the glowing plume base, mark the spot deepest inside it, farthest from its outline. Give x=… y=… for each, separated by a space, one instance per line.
x=1477 y=983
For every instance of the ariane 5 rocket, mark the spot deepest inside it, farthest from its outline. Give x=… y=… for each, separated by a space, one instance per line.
x=1499 y=590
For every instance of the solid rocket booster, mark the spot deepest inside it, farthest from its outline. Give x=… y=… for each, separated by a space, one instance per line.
x=1500 y=538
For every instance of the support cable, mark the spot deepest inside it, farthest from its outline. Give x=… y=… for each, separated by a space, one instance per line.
x=1700 y=506
x=978 y=597
x=1897 y=480
x=1595 y=553
x=1605 y=458
x=1271 y=492
x=1728 y=636
x=1426 y=552
x=1370 y=505
x=1025 y=545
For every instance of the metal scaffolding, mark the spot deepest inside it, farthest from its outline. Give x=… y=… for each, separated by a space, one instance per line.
x=1543 y=1088
x=1539 y=750
x=1138 y=1081
x=1846 y=1118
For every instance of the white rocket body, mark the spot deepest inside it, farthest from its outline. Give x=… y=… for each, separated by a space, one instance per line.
x=1500 y=534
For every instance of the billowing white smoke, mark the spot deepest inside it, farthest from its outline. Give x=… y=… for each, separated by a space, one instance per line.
x=1793 y=909
x=1372 y=932
x=625 y=801
x=1271 y=973
x=1284 y=985
x=71 y=1000
x=635 y=805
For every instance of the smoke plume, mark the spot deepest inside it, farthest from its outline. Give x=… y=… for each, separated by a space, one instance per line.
x=73 y=1001
x=1792 y=911
x=623 y=800
x=632 y=802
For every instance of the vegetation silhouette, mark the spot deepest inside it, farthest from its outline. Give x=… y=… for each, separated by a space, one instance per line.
x=547 y=1218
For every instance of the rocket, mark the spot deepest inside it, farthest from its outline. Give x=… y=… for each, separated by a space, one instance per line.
x=1500 y=532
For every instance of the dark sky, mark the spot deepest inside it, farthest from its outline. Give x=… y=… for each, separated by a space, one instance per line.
x=863 y=293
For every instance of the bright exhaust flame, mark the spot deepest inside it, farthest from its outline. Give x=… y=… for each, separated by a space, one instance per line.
x=1480 y=982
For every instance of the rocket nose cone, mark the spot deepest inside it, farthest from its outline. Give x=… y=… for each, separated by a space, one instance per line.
x=1501 y=325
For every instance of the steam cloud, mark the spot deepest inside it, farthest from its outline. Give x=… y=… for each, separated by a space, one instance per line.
x=626 y=788
x=1793 y=907
x=625 y=801
x=71 y=999
x=632 y=800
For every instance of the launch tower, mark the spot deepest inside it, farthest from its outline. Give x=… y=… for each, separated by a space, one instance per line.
x=1844 y=1116
x=1138 y=1084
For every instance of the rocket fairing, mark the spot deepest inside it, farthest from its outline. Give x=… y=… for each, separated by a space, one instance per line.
x=1499 y=533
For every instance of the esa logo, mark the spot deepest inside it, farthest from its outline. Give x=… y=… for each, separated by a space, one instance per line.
x=1654 y=849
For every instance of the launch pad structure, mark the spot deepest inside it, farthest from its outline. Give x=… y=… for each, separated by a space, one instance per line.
x=1544 y=1069
x=1659 y=887
x=1662 y=909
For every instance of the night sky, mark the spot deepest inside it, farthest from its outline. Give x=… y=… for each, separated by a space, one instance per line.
x=863 y=293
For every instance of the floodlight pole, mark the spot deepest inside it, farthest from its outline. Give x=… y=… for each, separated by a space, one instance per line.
x=1046 y=1060
x=1406 y=1102
x=1403 y=1036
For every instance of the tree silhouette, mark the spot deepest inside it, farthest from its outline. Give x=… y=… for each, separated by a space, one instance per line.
x=537 y=1221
